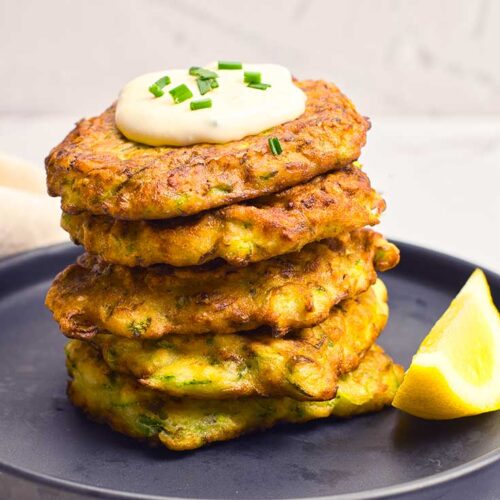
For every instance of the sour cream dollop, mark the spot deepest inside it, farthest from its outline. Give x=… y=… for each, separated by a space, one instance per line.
x=237 y=110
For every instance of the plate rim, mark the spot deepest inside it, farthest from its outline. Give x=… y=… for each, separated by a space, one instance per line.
x=417 y=485
x=408 y=487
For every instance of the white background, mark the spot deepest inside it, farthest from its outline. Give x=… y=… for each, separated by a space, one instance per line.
x=427 y=72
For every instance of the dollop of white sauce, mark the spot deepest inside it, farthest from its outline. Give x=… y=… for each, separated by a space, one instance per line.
x=237 y=110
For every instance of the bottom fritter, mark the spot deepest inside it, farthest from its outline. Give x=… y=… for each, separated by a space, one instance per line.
x=183 y=424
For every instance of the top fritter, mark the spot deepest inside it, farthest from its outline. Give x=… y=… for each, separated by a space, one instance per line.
x=97 y=169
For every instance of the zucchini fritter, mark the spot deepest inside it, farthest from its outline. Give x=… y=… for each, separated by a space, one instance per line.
x=185 y=424
x=280 y=223
x=305 y=365
x=287 y=292
x=97 y=169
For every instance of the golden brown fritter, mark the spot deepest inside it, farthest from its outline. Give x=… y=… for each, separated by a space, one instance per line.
x=280 y=223
x=305 y=365
x=288 y=292
x=98 y=170
x=185 y=424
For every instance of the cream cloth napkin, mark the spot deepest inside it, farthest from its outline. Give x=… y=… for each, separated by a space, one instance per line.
x=29 y=218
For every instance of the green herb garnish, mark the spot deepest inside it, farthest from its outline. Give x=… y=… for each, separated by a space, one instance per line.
x=156 y=88
x=204 y=74
x=268 y=176
x=275 y=146
x=156 y=91
x=149 y=425
x=229 y=65
x=207 y=79
x=197 y=382
x=252 y=77
x=200 y=104
x=180 y=93
x=204 y=86
x=137 y=328
x=260 y=86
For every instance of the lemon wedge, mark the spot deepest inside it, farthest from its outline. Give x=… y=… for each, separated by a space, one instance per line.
x=456 y=370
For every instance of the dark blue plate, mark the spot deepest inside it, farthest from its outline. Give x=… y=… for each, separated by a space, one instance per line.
x=49 y=450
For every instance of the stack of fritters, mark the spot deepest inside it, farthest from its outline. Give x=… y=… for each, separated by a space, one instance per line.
x=225 y=289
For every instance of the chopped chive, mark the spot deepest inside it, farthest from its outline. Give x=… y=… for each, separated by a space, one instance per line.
x=260 y=86
x=204 y=86
x=229 y=65
x=206 y=79
x=156 y=88
x=180 y=93
x=275 y=146
x=204 y=74
x=163 y=81
x=252 y=77
x=200 y=104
